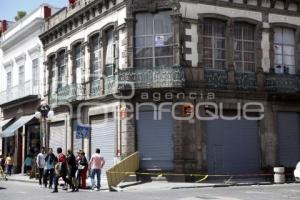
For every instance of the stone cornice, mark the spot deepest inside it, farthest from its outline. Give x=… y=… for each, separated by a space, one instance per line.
x=245 y=6
x=80 y=27
x=24 y=33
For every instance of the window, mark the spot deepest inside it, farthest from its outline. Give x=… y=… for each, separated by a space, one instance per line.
x=35 y=72
x=21 y=75
x=109 y=53
x=214 y=44
x=52 y=74
x=284 y=50
x=78 y=62
x=244 y=47
x=8 y=80
x=153 y=40
x=61 y=63
x=95 y=57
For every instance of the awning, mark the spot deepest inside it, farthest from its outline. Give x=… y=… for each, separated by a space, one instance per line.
x=3 y=123
x=10 y=131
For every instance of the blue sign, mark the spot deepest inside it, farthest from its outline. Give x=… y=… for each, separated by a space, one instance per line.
x=82 y=131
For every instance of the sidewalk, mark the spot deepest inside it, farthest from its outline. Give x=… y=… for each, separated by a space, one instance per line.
x=163 y=185
x=160 y=185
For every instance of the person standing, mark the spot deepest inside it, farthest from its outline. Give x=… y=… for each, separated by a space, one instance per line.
x=40 y=162
x=28 y=164
x=50 y=162
x=2 y=162
x=82 y=165
x=9 y=162
x=72 y=166
x=61 y=171
x=96 y=164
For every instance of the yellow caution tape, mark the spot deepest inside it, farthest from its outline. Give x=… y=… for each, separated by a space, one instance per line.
x=205 y=176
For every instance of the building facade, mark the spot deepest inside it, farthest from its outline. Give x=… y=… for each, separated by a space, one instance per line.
x=194 y=86
x=21 y=79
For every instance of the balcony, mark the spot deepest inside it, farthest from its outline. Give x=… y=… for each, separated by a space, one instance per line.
x=283 y=83
x=20 y=91
x=159 y=77
x=105 y=86
x=67 y=93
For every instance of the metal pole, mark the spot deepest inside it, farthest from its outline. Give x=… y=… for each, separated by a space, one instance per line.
x=46 y=134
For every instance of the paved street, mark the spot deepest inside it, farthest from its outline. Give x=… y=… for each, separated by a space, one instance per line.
x=28 y=191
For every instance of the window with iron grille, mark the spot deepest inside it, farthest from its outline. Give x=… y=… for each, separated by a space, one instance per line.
x=214 y=44
x=78 y=62
x=284 y=50
x=61 y=63
x=244 y=47
x=95 y=57
x=153 y=40
x=109 y=52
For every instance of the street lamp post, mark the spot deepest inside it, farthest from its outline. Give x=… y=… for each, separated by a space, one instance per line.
x=44 y=112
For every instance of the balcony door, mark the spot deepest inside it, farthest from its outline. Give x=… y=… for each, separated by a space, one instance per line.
x=153 y=40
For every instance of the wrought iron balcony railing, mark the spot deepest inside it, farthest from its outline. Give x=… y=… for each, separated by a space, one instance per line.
x=246 y=81
x=282 y=83
x=158 y=77
x=67 y=93
x=104 y=86
x=216 y=79
x=22 y=90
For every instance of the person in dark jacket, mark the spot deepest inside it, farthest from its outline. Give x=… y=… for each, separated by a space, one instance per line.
x=72 y=166
x=61 y=171
x=50 y=161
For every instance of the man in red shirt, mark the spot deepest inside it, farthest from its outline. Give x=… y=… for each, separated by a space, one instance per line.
x=61 y=171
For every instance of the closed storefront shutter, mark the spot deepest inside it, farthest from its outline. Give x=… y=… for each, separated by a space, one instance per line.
x=103 y=134
x=57 y=137
x=233 y=147
x=288 y=138
x=155 y=142
x=77 y=142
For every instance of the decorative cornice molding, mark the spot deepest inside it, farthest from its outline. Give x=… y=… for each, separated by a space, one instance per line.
x=20 y=59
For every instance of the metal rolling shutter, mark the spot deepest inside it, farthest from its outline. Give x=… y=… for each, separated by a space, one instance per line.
x=155 y=142
x=233 y=147
x=103 y=135
x=77 y=142
x=57 y=136
x=288 y=138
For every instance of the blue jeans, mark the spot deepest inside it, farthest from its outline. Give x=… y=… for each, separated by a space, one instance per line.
x=98 y=173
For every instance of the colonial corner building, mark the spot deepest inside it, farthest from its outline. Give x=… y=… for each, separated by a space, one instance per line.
x=94 y=61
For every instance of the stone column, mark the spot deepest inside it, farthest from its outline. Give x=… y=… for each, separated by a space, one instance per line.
x=87 y=68
x=69 y=66
x=199 y=75
x=229 y=43
x=268 y=136
x=130 y=23
x=177 y=30
x=128 y=133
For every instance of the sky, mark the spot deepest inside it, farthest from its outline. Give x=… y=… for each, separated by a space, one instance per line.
x=9 y=8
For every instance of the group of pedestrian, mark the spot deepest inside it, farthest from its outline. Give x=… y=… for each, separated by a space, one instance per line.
x=7 y=163
x=70 y=168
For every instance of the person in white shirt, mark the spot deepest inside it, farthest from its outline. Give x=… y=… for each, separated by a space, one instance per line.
x=40 y=162
x=96 y=164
